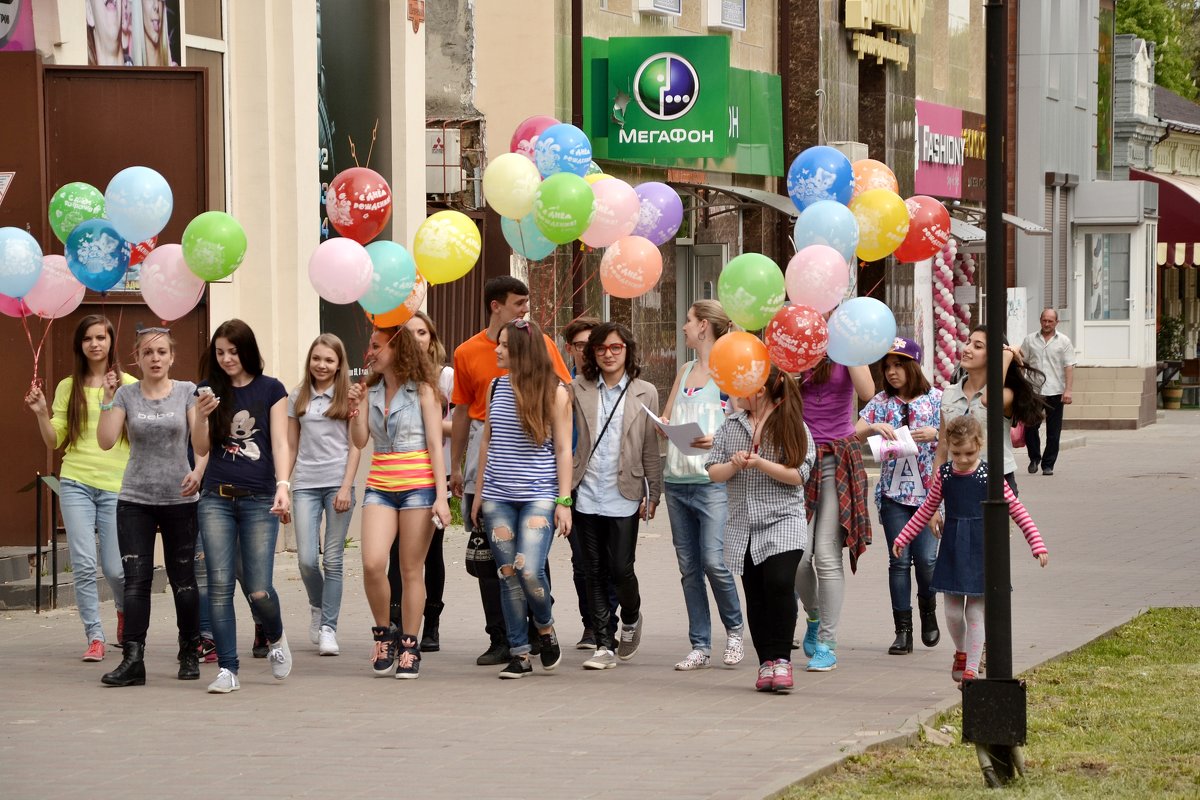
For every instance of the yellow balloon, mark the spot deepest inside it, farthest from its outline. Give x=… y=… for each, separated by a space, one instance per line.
x=595 y=176
x=882 y=223
x=509 y=183
x=446 y=246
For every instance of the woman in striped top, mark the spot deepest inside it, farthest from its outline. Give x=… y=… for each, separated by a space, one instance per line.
x=523 y=492
x=407 y=478
x=958 y=574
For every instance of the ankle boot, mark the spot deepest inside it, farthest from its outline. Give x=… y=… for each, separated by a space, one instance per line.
x=904 y=642
x=189 y=658
x=930 y=635
x=395 y=615
x=132 y=669
x=430 y=642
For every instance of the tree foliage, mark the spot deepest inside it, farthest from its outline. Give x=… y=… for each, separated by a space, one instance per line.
x=1174 y=27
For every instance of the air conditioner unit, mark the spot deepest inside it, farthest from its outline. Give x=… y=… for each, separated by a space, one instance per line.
x=443 y=161
x=662 y=8
x=726 y=15
x=855 y=151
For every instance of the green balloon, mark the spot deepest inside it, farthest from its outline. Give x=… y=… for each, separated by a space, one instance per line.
x=751 y=290
x=562 y=207
x=72 y=204
x=214 y=245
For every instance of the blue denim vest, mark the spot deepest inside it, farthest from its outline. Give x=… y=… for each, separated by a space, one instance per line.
x=402 y=429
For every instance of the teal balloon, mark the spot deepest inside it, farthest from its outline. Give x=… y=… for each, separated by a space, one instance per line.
x=392 y=279
x=751 y=290
x=525 y=239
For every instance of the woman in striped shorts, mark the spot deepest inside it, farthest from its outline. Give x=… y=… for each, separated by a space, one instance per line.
x=407 y=478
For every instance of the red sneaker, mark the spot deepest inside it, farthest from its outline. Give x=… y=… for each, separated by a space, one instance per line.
x=208 y=651
x=766 y=677
x=782 y=680
x=95 y=651
x=968 y=675
x=120 y=628
x=960 y=663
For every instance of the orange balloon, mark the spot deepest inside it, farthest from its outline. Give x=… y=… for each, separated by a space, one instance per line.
x=630 y=267
x=403 y=312
x=739 y=363
x=871 y=174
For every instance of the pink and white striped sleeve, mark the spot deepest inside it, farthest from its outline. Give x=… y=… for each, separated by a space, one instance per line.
x=1020 y=515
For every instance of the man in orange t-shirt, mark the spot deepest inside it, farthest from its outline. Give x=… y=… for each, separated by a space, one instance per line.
x=506 y=299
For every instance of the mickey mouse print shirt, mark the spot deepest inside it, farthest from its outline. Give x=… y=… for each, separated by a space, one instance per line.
x=244 y=458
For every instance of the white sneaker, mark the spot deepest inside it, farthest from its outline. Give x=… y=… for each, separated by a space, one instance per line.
x=602 y=659
x=280 y=658
x=328 y=645
x=225 y=683
x=314 y=625
x=693 y=660
x=735 y=650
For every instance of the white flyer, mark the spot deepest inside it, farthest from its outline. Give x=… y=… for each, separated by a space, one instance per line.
x=681 y=436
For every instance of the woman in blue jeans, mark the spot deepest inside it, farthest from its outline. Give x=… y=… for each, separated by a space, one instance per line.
x=90 y=477
x=322 y=482
x=241 y=419
x=906 y=400
x=696 y=505
x=523 y=492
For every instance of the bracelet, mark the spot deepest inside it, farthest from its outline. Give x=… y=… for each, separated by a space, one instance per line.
x=352 y=414
x=564 y=501
x=106 y=406
x=288 y=484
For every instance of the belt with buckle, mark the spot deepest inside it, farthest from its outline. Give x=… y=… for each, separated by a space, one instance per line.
x=229 y=491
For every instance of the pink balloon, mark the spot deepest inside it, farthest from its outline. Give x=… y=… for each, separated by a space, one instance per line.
x=615 y=212
x=168 y=286
x=817 y=276
x=630 y=267
x=12 y=307
x=340 y=270
x=524 y=138
x=57 y=292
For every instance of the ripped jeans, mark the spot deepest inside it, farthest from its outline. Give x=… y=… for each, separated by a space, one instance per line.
x=520 y=534
x=136 y=525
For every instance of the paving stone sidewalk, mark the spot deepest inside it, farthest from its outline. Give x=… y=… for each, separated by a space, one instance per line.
x=1119 y=516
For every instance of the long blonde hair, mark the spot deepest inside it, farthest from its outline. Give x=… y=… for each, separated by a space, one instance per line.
x=340 y=407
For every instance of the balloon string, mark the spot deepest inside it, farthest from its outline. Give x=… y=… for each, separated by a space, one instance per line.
x=371 y=149
x=35 y=382
x=353 y=152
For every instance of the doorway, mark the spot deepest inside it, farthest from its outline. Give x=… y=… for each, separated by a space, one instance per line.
x=699 y=267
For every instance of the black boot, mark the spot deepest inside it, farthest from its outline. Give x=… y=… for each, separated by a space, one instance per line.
x=189 y=658
x=395 y=615
x=430 y=642
x=930 y=635
x=132 y=669
x=904 y=642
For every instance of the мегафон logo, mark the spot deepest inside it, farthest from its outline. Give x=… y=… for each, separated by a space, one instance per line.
x=666 y=86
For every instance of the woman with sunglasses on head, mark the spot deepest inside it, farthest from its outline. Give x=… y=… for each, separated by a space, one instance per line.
x=90 y=477
x=617 y=480
x=523 y=488
x=406 y=494
x=158 y=493
x=241 y=419
x=907 y=400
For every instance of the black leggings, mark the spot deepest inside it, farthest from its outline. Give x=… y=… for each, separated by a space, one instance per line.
x=609 y=549
x=770 y=589
x=435 y=572
x=136 y=526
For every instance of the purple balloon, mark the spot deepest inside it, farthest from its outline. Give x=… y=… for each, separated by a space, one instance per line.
x=661 y=212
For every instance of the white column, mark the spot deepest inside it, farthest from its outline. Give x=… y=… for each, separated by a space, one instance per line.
x=408 y=125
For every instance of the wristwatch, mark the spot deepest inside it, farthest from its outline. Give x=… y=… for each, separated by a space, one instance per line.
x=564 y=501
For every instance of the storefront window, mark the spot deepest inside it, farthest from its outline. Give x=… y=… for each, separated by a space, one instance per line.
x=1107 y=274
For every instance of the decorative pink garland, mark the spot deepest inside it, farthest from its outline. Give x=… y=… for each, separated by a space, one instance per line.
x=952 y=320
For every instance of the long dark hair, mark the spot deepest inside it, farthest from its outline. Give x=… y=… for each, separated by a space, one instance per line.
x=915 y=382
x=77 y=407
x=785 y=427
x=534 y=383
x=591 y=368
x=1025 y=381
x=241 y=337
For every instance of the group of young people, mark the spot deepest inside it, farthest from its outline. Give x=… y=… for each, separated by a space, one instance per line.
x=535 y=451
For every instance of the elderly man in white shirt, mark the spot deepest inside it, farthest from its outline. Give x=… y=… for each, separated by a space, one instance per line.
x=1053 y=354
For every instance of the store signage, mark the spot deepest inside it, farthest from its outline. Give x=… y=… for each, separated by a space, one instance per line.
x=902 y=16
x=949 y=148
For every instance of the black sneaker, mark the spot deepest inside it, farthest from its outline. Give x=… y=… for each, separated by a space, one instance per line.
x=587 y=641
x=551 y=653
x=260 y=647
x=535 y=642
x=517 y=668
x=383 y=658
x=494 y=655
x=408 y=663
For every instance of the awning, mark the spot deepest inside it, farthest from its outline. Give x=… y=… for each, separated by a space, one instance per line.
x=775 y=202
x=965 y=232
x=1178 y=218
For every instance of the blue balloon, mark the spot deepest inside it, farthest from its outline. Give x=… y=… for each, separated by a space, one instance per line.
x=138 y=201
x=828 y=223
x=861 y=331
x=820 y=173
x=563 y=148
x=97 y=255
x=524 y=237
x=20 y=262
x=393 y=278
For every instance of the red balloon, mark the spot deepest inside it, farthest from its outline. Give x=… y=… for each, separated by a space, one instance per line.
x=796 y=338
x=12 y=307
x=358 y=203
x=139 y=251
x=928 y=229
x=525 y=137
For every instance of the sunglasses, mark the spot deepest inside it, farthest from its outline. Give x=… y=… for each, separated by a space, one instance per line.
x=140 y=331
x=615 y=349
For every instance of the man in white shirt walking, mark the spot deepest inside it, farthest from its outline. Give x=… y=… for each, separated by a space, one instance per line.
x=1053 y=354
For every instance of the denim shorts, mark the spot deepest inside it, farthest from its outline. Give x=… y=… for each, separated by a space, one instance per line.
x=399 y=501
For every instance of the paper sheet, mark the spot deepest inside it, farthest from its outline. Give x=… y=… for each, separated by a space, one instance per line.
x=679 y=435
x=902 y=446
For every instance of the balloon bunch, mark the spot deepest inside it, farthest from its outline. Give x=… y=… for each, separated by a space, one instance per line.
x=952 y=321
x=548 y=192
x=383 y=277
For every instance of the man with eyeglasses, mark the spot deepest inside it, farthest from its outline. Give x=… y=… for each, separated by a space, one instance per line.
x=505 y=299
x=1053 y=354
x=576 y=336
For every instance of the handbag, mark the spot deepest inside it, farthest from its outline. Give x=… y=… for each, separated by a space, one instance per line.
x=1016 y=435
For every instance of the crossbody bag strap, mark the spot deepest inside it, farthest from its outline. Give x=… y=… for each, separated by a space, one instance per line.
x=616 y=405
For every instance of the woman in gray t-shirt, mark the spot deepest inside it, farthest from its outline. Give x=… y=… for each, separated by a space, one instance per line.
x=158 y=493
